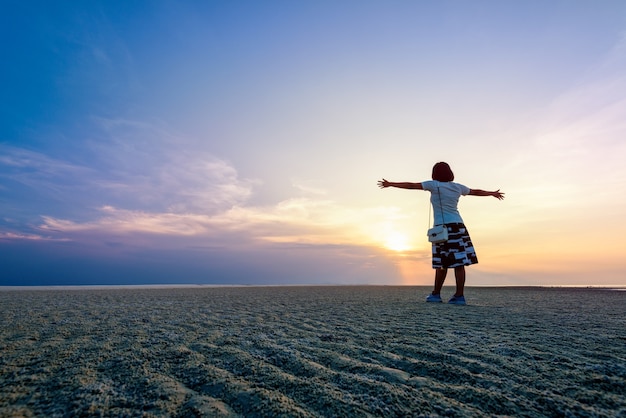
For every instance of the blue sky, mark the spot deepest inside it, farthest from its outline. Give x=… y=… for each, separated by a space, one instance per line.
x=239 y=142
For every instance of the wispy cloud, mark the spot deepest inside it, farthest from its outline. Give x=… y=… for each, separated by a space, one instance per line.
x=144 y=180
x=160 y=171
x=120 y=221
x=293 y=221
x=22 y=163
x=28 y=237
x=308 y=188
x=35 y=177
x=577 y=140
x=132 y=165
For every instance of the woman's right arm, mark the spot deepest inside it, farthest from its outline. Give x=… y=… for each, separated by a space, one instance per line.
x=402 y=185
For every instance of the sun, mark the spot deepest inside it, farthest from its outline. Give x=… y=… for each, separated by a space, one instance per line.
x=396 y=241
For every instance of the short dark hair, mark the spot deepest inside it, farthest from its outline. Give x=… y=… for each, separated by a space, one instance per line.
x=442 y=172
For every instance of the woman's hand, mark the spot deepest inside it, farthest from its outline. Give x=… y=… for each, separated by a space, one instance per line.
x=383 y=183
x=498 y=195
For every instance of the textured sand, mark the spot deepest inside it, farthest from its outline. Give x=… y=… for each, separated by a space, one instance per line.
x=312 y=351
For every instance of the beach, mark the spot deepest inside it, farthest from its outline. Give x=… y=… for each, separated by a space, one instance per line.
x=312 y=351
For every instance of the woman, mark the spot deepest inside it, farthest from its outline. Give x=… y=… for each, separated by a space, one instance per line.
x=458 y=251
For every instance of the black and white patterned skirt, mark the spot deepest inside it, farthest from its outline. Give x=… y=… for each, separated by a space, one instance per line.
x=457 y=251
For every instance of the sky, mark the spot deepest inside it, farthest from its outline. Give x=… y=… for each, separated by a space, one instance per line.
x=240 y=142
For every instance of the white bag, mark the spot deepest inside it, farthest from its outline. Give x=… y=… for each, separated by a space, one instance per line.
x=438 y=234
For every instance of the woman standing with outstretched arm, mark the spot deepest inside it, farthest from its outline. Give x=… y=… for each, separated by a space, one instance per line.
x=458 y=251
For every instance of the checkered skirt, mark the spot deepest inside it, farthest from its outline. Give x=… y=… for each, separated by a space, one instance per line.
x=457 y=251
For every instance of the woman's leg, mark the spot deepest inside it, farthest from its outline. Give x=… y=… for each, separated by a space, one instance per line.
x=440 y=277
x=459 y=275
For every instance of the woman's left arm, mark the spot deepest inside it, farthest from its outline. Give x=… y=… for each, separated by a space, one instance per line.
x=478 y=192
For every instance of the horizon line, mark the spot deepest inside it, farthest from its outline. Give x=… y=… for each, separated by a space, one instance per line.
x=191 y=285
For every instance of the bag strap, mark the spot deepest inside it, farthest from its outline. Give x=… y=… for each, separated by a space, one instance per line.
x=440 y=206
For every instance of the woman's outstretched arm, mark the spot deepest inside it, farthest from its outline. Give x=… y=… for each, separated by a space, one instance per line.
x=402 y=185
x=477 y=192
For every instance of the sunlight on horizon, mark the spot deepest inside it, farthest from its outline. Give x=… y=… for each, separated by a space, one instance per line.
x=397 y=241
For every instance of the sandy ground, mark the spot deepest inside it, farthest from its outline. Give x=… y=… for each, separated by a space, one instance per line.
x=312 y=351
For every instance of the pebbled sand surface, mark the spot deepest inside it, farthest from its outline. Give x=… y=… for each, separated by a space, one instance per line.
x=312 y=352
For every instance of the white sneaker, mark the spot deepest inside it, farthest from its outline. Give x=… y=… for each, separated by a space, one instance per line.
x=433 y=298
x=457 y=300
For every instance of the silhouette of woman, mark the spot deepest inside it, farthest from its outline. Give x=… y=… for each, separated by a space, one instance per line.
x=458 y=251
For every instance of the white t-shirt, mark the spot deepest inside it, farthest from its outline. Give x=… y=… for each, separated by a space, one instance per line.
x=450 y=193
